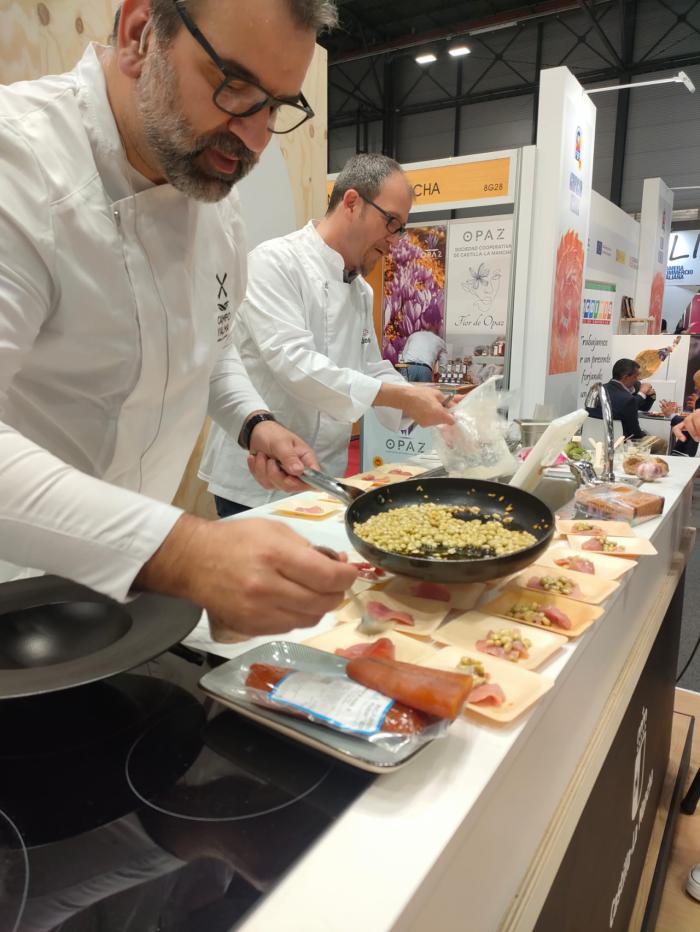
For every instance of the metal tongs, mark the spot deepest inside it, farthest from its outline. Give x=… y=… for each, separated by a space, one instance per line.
x=323 y=483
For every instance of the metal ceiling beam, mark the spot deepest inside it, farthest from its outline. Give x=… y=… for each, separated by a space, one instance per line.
x=518 y=90
x=520 y=15
x=588 y=9
x=628 y=24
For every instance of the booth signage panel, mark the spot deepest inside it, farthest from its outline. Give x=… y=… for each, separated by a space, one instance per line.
x=683 y=266
x=453 y=183
x=595 y=361
x=479 y=257
x=450 y=185
x=413 y=287
x=379 y=445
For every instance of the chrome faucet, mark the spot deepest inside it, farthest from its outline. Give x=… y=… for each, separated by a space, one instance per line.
x=597 y=392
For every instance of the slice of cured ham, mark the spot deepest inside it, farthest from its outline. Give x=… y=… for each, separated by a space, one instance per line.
x=556 y=616
x=381 y=648
x=487 y=694
x=367 y=571
x=377 y=611
x=577 y=564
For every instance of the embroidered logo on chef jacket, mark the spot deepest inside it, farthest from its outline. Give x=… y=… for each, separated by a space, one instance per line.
x=365 y=337
x=223 y=316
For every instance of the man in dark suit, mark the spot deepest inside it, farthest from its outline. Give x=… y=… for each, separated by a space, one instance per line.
x=627 y=398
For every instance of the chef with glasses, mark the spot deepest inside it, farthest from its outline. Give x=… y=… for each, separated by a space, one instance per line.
x=122 y=266
x=306 y=333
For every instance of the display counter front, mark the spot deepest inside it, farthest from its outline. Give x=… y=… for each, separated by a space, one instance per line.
x=471 y=834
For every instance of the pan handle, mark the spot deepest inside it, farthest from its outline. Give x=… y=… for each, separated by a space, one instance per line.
x=324 y=483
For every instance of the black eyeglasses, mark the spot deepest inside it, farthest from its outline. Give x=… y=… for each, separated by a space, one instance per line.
x=238 y=96
x=393 y=224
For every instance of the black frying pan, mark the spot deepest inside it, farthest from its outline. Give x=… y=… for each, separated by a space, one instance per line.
x=527 y=511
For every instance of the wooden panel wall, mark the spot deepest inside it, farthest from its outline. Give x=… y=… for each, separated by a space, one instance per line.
x=49 y=37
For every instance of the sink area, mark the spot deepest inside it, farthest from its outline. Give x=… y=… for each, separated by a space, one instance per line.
x=556 y=492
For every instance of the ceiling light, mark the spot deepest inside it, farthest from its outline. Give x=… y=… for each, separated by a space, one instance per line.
x=426 y=58
x=682 y=78
x=459 y=50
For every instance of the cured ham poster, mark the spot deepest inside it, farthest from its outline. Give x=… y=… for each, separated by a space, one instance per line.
x=568 y=285
x=572 y=228
x=657 y=210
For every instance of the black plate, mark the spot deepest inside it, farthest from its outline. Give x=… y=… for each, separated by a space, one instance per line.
x=55 y=634
x=528 y=513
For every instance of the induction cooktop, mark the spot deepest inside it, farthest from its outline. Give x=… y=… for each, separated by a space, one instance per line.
x=137 y=804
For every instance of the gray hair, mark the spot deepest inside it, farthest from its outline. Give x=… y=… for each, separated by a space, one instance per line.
x=319 y=15
x=364 y=173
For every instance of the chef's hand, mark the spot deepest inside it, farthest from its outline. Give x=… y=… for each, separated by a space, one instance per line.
x=424 y=404
x=272 y=444
x=252 y=576
x=689 y=425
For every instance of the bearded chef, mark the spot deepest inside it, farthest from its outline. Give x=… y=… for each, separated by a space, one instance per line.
x=306 y=332
x=122 y=264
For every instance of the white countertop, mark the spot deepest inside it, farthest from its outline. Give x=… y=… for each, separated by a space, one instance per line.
x=464 y=820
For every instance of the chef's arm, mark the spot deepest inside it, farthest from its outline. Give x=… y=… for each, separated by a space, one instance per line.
x=273 y=312
x=396 y=396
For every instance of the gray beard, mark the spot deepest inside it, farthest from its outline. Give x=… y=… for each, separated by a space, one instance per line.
x=170 y=137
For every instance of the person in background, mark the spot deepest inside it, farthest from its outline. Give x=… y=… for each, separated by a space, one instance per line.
x=306 y=332
x=644 y=395
x=622 y=392
x=422 y=351
x=684 y=441
x=689 y=426
x=122 y=263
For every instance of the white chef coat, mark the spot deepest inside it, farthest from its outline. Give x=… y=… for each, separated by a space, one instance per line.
x=307 y=340
x=116 y=302
x=424 y=346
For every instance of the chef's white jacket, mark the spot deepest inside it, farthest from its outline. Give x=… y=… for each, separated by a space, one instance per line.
x=116 y=303
x=307 y=339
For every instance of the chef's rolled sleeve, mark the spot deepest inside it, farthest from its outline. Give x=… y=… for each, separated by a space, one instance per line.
x=57 y=519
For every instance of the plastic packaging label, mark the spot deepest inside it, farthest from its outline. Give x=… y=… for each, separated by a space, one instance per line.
x=333 y=699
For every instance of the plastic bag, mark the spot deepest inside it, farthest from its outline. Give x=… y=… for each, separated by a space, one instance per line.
x=475 y=446
x=333 y=700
